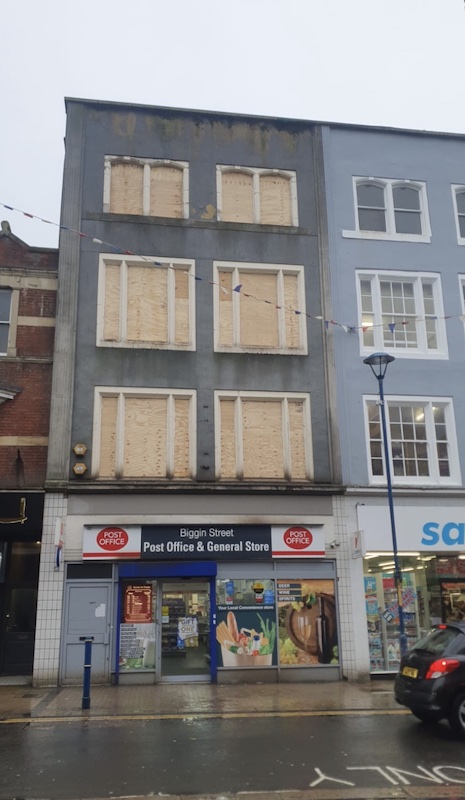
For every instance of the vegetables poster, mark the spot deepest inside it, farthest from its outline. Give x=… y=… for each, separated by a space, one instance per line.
x=246 y=636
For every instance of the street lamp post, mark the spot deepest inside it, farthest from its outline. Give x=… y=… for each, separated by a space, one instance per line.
x=379 y=363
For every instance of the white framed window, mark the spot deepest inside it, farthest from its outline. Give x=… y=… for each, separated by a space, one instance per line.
x=423 y=442
x=144 y=433
x=146 y=303
x=255 y=308
x=263 y=435
x=458 y=199
x=146 y=186
x=257 y=196
x=401 y=312
x=395 y=210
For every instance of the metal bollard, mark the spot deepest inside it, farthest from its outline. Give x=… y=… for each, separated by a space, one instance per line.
x=87 y=667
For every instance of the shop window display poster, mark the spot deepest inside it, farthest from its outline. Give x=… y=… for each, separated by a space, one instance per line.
x=307 y=622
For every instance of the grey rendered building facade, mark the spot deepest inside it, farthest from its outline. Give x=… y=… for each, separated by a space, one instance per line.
x=191 y=410
x=395 y=216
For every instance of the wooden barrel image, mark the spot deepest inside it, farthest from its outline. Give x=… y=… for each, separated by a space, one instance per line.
x=301 y=625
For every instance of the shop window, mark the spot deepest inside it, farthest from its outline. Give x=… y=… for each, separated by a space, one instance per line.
x=144 y=433
x=257 y=196
x=246 y=628
x=260 y=308
x=149 y=187
x=146 y=304
x=433 y=591
x=263 y=435
x=401 y=312
x=422 y=442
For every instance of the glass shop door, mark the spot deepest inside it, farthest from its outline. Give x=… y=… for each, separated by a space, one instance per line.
x=184 y=627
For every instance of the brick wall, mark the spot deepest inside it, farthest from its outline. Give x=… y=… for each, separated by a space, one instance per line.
x=25 y=420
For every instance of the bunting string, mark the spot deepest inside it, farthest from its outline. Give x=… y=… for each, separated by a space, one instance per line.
x=327 y=323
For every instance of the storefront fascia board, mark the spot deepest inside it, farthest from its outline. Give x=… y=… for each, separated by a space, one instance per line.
x=76 y=524
x=418 y=528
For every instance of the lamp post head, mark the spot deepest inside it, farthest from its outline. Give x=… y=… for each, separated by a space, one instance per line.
x=379 y=364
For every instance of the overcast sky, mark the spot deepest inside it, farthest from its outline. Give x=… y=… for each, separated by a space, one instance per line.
x=375 y=62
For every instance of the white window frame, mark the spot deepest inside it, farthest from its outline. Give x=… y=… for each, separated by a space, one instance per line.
x=434 y=478
x=422 y=351
x=12 y=323
x=256 y=172
x=237 y=396
x=390 y=234
x=457 y=188
x=147 y=164
x=121 y=392
x=124 y=262
x=274 y=269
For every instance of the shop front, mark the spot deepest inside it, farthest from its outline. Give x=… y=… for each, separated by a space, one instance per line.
x=20 y=538
x=215 y=602
x=431 y=548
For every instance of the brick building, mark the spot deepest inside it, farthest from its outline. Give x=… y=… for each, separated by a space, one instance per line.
x=28 y=284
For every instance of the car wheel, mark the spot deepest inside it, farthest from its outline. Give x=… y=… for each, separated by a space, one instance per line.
x=457 y=715
x=426 y=716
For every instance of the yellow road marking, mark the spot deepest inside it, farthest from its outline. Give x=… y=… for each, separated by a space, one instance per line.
x=206 y=715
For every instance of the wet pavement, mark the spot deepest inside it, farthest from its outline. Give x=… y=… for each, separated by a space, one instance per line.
x=168 y=700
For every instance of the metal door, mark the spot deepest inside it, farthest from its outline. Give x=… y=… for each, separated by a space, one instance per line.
x=87 y=613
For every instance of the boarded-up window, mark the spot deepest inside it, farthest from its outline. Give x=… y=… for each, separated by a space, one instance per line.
x=237 y=197
x=297 y=440
x=292 y=319
x=275 y=200
x=108 y=437
x=260 y=309
x=149 y=438
x=147 y=307
x=181 y=438
x=228 y=439
x=126 y=194
x=146 y=303
x=259 y=319
x=166 y=192
x=264 y=438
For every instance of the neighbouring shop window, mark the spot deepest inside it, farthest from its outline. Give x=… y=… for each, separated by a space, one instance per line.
x=137 y=629
x=433 y=591
x=307 y=622
x=246 y=623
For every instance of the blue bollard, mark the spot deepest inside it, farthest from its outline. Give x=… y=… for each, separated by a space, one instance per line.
x=87 y=667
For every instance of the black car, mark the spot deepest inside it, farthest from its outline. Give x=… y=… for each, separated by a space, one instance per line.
x=431 y=678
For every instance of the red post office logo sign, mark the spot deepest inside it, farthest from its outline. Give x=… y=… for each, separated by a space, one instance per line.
x=111 y=542
x=298 y=538
x=112 y=539
x=297 y=541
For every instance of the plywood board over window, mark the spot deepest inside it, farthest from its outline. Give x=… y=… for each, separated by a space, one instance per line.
x=275 y=200
x=126 y=194
x=109 y=411
x=260 y=308
x=166 y=192
x=262 y=439
x=237 y=197
x=258 y=319
x=147 y=307
x=264 y=436
x=144 y=434
x=145 y=303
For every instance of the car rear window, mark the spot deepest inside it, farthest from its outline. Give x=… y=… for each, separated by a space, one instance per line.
x=437 y=641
